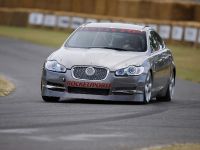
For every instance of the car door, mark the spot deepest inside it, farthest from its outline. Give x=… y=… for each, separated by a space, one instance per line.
x=164 y=61
x=156 y=56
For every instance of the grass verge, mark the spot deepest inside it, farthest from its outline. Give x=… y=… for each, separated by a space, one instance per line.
x=6 y=87
x=186 y=57
x=178 y=147
x=187 y=61
x=47 y=37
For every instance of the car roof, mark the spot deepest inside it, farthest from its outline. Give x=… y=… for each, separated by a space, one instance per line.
x=117 y=26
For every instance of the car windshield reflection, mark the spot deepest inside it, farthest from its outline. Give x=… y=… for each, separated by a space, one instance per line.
x=108 y=38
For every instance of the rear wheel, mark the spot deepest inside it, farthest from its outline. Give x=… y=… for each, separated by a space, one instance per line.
x=50 y=99
x=147 y=89
x=170 y=90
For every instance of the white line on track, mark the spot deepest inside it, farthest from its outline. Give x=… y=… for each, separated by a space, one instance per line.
x=75 y=137
x=87 y=137
x=18 y=131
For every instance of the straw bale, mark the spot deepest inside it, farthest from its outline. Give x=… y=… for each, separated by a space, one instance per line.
x=112 y=7
x=6 y=16
x=76 y=5
x=65 y=5
x=87 y=6
x=40 y=4
x=197 y=13
x=133 y=8
x=160 y=10
x=2 y=3
x=19 y=18
x=144 y=9
x=100 y=7
x=12 y=3
x=52 y=4
x=123 y=8
x=182 y=11
x=27 y=3
x=8 y=3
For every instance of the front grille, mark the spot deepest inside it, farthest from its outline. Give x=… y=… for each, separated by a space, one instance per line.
x=92 y=91
x=80 y=73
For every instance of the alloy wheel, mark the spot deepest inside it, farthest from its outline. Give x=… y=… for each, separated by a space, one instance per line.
x=148 y=87
x=171 y=86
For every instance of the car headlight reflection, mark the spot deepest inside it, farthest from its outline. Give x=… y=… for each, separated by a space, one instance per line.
x=55 y=66
x=130 y=71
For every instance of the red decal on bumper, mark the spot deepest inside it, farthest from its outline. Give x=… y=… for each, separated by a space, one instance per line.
x=89 y=85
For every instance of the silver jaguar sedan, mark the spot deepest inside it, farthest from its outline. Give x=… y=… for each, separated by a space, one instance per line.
x=110 y=61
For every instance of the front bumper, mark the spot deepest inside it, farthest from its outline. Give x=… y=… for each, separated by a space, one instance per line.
x=128 y=88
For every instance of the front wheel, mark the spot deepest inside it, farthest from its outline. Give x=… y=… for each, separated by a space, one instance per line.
x=50 y=99
x=147 y=89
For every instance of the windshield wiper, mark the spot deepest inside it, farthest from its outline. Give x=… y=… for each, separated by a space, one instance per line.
x=114 y=48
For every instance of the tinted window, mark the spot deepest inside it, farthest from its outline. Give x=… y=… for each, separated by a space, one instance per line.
x=156 y=41
x=153 y=42
x=124 y=39
x=159 y=39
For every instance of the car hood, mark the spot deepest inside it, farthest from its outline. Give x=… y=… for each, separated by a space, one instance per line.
x=108 y=58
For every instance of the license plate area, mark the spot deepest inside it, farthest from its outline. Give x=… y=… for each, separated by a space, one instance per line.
x=94 y=85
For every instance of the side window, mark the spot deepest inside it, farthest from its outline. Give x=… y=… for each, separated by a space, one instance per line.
x=160 y=41
x=153 y=42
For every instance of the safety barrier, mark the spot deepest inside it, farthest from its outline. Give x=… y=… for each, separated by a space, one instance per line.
x=171 y=31
x=153 y=9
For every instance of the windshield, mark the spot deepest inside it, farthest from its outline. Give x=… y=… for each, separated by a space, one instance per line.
x=109 y=38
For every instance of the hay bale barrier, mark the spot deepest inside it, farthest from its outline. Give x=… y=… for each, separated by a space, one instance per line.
x=152 y=9
x=87 y=6
x=53 y=5
x=122 y=8
x=161 y=10
x=112 y=7
x=2 y=3
x=19 y=15
x=197 y=13
x=177 y=21
x=65 y=5
x=6 y=16
x=76 y=6
x=100 y=7
x=182 y=11
x=27 y=3
x=144 y=9
x=40 y=4
x=133 y=9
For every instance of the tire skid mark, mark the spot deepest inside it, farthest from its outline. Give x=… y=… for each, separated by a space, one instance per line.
x=90 y=121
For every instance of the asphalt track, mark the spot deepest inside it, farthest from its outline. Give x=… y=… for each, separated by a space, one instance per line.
x=26 y=122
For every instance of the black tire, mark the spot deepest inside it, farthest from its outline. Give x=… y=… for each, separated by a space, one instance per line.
x=147 y=89
x=170 y=90
x=50 y=99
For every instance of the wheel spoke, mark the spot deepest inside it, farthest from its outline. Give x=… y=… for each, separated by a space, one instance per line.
x=171 y=86
x=148 y=87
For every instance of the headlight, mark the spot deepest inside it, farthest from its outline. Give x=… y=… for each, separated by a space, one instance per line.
x=55 y=66
x=130 y=71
